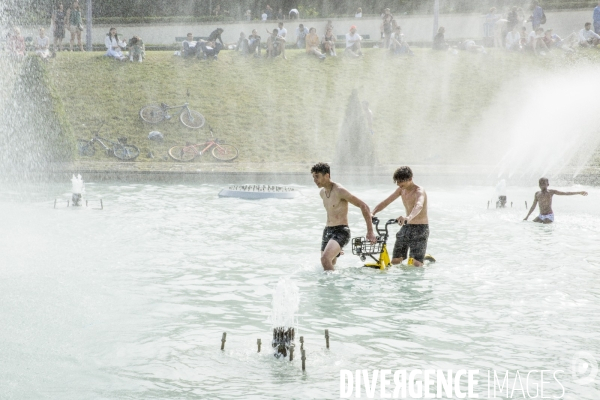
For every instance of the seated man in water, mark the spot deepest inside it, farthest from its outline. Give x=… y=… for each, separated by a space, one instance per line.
x=544 y=197
x=335 y=200
x=415 y=227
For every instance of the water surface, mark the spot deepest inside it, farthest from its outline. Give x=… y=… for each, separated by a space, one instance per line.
x=131 y=302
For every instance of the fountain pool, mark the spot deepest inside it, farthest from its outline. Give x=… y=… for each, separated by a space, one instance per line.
x=131 y=302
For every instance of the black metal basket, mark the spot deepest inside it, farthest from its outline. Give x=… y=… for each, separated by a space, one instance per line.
x=362 y=247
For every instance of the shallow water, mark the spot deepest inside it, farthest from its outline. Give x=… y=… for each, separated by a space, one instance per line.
x=131 y=301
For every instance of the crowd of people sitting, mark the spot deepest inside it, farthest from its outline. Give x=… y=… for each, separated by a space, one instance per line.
x=510 y=33
x=277 y=39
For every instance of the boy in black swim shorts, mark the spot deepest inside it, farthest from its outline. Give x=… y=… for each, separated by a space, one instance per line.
x=413 y=237
x=339 y=233
x=335 y=200
x=415 y=226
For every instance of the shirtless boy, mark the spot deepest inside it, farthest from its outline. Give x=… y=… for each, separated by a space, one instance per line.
x=544 y=197
x=335 y=200
x=415 y=227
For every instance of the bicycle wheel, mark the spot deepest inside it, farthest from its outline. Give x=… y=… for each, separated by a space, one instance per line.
x=125 y=151
x=224 y=152
x=85 y=147
x=152 y=114
x=192 y=119
x=183 y=153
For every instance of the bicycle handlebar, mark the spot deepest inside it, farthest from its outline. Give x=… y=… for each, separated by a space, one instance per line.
x=384 y=230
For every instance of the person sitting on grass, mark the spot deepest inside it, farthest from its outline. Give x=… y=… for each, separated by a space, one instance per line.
x=536 y=42
x=137 y=50
x=328 y=26
x=275 y=44
x=42 y=47
x=587 y=37
x=353 y=40
x=524 y=37
x=328 y=43
x=250 y=45
x=513 y=40
x=240 y=42
x=114 y=46
x=190 y=46
x=209 y=49
x=439 y=42
x=16 y=44
x=397 y=45
x=312 y=44
x=544 y=197
x=554 y=41
x=214 y=41
x=281 y=30
x=301 y=33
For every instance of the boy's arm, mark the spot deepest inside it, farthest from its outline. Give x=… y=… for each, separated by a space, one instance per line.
x=535 y=200
x=387 y=202
x=558 y=192
x=364 y=208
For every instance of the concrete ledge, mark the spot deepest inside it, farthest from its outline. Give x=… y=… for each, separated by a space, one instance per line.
x=271 y=173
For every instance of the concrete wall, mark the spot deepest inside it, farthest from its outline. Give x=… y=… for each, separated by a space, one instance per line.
x=416 y=28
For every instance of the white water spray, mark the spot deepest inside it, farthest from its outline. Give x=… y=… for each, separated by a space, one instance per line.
x=286 y=301
x=542 y=125
x=77 y=189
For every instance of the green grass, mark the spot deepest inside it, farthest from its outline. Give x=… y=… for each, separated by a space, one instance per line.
x=290 y=111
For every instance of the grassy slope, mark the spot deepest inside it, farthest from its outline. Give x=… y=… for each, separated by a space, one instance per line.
x=291 y=111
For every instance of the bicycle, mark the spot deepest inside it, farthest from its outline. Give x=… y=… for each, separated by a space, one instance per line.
x=154 y=113
x=119 y=149
x=363 y=248
x=220 y=150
